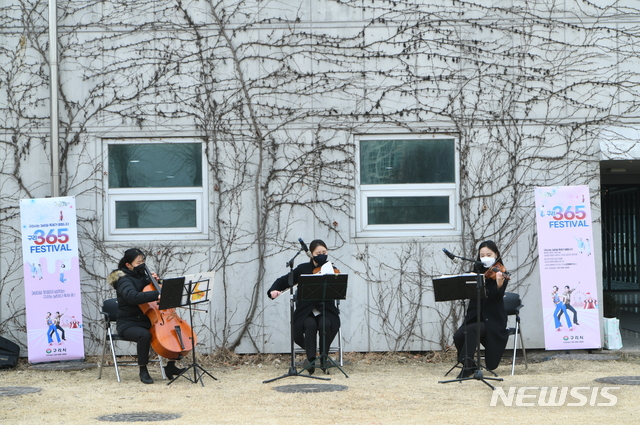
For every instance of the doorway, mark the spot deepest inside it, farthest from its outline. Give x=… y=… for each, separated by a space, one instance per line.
x=620 y=195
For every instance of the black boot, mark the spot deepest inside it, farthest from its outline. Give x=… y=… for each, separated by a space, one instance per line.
x=468 y=369
x=172 y=370
x=306 y=363
x=144 y=375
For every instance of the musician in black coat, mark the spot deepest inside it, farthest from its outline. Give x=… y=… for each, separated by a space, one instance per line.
x=493 y=317
x=307 y=317
x=129 y=281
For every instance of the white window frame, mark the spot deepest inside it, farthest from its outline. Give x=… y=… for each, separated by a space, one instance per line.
x=365 y=230
x=198 y=194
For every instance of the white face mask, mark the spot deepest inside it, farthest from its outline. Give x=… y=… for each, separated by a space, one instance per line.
x=488 y=261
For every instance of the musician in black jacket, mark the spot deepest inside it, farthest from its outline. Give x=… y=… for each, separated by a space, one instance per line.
x=307 y=317
x=129 y=280
x=493 y=317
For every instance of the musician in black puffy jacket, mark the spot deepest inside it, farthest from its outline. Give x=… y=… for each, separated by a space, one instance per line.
x=129 y=280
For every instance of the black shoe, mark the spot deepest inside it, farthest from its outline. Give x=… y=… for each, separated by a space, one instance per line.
x=172 y=370
x=145 y=377
x=305 y=365
x=467 y=372
x=469 y=367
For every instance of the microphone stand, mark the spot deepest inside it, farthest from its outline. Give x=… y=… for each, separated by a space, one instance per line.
x=477 y=375
x=292 y=367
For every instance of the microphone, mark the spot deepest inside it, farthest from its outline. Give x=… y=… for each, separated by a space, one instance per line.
x=450 y=255
x=304 y=247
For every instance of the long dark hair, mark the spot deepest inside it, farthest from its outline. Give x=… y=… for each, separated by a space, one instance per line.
x=316 y=243
x=129 y=256
x=493 y=247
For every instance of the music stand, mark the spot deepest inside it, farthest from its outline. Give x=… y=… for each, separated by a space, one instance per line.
x=460 y=290
x=323 y=288
x=178 y=292
x=457 y=287
x=293 y=371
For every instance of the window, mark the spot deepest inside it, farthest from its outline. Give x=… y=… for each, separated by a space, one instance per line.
x=407 y=186
x=155 y=189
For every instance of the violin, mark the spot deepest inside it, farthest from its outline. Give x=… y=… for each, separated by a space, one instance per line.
x=317 y=270
x=497 y=267
x=170 y=335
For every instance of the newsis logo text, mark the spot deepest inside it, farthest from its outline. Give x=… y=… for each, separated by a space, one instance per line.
x=554 y=396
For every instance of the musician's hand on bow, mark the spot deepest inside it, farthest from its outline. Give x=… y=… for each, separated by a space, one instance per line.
x=275 y=294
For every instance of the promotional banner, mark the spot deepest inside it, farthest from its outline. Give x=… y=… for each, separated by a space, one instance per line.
x=567 y=268
x=51 y=279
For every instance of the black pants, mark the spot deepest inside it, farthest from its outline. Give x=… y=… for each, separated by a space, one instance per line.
x=467 y=350
x=142 y=337
x=569 y=307
x=312 y=327
x=60 y=329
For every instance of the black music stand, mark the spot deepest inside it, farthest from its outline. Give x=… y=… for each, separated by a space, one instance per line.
x=457 y=287
x=293 y=371
x=178 y=293
x=463 y=287
x=323 y=288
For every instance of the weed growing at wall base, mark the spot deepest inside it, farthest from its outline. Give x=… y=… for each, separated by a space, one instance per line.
x=554 y=396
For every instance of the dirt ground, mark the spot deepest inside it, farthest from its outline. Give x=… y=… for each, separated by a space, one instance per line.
x=397 y=388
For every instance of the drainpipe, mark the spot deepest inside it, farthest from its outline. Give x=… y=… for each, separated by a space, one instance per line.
x=53 y=73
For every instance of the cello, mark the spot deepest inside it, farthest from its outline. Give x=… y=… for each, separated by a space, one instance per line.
x=170 y=335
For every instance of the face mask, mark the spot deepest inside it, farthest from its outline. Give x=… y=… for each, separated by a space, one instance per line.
x=488 y=261
x=320 y=259
x=140 y=270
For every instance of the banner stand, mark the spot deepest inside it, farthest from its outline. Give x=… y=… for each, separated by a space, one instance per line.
x=568 y=283
x=51 y=280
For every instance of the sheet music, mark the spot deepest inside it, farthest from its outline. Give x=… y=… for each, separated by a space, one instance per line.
x=200 y=276
x=327 y=268
x=203 y=282
x=470 y=274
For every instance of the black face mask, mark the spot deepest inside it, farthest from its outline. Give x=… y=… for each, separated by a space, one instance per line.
x=320 y=259
x=140 y=270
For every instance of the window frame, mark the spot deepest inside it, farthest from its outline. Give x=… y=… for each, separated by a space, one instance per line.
x=197 y=194
x=452 y=190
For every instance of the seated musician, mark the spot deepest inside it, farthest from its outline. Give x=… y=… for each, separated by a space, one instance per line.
x=492 y=330
x=129 y=280
x=307 y=317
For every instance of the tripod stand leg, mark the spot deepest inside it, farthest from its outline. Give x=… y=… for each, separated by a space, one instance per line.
x=479 y=377
x=194 y=364
x=324 y=346
x=292 y=367
x=294 y=372
x=324 y=360
x=452 y=367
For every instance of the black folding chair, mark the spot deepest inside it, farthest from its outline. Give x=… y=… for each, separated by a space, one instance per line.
x=109 y=314
x=512 y=305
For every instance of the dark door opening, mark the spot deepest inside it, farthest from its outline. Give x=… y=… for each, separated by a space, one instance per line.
x=620 y=194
